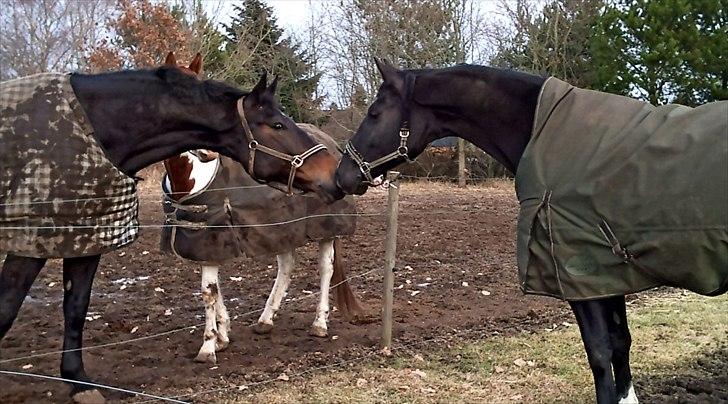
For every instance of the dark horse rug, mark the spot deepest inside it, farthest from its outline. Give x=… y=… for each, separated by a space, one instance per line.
x=234 y=216
x=618 y=196
x=59 y=194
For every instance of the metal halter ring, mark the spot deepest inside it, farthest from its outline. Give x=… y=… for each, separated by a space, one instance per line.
x=297 y=161
x=253 y=144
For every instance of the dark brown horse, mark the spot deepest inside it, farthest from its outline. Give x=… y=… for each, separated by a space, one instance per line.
x=497 y=111
x=140 y=117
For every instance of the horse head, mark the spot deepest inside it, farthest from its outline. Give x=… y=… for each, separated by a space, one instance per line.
x=280 y=153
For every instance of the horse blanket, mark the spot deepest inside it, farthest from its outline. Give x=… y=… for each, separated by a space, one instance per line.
x=59 y=194
x=618 y=196
x=235 y=216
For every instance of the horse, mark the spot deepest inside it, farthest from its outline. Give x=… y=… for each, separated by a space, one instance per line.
x=189 y=175
x=127 y=120
x=590 y=174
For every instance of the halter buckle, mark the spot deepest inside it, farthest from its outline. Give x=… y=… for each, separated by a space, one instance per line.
x=297 y=161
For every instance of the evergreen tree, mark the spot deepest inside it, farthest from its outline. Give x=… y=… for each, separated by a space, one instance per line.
x=663 y=50
x=254 y=39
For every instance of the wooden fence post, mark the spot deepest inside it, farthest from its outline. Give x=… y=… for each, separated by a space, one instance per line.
x=461 y=163
x=389 y=260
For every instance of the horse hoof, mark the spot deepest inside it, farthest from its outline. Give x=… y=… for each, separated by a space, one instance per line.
x=92 y=396
x=262 y=328
x=221 y=345
x=206 y=357
x=320 y=332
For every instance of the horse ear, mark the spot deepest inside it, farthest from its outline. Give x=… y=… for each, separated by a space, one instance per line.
x=261 y=86
x=170 y=60
x=196 y=64
x=273 y=85
x=390 y=74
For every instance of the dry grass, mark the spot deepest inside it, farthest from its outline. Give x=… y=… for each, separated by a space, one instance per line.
x=547 y=366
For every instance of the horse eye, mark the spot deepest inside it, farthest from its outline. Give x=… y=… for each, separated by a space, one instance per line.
x=278 y=126
x=373 y=113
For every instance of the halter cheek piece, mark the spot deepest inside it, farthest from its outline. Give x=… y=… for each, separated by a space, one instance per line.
x=366 y=167
x=402 y=151
x=295 y=160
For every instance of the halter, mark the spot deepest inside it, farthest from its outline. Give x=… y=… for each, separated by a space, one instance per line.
x=295 y=160
x=401 y=151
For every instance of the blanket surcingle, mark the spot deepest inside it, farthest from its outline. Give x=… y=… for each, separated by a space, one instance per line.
x=618 y=196
x=202 y=226
x=60 y=196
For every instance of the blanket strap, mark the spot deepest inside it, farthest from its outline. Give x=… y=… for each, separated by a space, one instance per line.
x=546 y=202
x=617 y=248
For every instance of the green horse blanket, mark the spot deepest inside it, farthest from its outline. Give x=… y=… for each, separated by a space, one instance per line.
x=618 y=196
x=59 y=195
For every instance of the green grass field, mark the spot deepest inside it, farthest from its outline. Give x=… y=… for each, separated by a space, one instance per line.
x=672 y=332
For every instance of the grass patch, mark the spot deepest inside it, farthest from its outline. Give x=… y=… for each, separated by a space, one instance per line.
x=669 y=333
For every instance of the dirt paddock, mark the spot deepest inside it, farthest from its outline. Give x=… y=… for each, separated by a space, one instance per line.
x=456 y=277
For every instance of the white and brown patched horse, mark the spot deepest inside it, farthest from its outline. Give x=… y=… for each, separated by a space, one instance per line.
x=215 y=209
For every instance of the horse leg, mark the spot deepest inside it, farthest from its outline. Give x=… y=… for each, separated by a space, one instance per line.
x=283 y=279
x=621 y=341
x=326 y=269
x=78 y=276
x=15 y=280
x=222 y=319
x=592 y=317
x=210 y=295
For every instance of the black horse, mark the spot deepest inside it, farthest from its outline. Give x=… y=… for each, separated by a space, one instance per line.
x=496 y=110
x=145 y=116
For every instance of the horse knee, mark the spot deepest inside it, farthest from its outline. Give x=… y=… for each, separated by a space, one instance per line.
x=600 y=360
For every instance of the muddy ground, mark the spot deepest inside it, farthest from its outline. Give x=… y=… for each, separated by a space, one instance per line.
x=453 y=246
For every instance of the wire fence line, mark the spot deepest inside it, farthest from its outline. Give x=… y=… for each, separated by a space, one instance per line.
x=247 y=225
x=94 y=198
x=176 y=330
x=101 y=198
x=90 y=384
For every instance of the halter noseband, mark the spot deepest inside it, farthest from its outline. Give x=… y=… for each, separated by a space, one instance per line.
x=295 y=160
x=401 y=151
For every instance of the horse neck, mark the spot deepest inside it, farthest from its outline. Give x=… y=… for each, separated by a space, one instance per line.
x=138 y=121
x=492 y=108
x=179 y=172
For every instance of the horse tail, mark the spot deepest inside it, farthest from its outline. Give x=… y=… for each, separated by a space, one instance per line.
x=346 y=301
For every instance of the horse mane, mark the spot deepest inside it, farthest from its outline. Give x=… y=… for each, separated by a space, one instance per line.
x=481 y=72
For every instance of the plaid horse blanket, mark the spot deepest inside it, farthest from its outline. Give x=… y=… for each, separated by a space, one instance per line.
x=59 y=194
x=618 y=196
x=235 y=216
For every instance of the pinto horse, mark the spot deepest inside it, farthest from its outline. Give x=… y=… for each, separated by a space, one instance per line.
x=141 y=117
x=566 y=145
x=188 y=175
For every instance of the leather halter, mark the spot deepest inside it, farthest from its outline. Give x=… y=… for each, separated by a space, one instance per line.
x=401 y=151
x=295 y=160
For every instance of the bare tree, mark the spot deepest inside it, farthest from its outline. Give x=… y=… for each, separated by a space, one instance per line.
x=410 y=34
x=549 y=38
x=47 y=35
